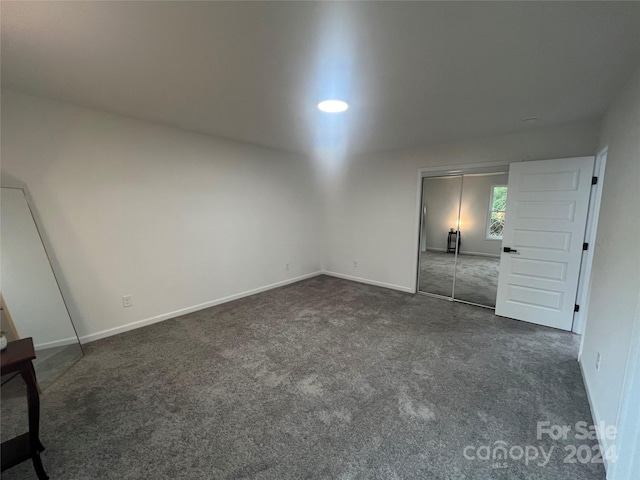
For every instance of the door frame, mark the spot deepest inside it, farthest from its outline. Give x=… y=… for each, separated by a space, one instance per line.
x=442 y=171
x=584 y=280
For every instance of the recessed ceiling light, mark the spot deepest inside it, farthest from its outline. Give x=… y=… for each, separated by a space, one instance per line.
x=333 y=106
x=530 y=119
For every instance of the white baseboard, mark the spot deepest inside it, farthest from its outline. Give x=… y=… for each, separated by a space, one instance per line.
x=92 y=337
x=166 y=316
x=464 y=252
x=56 y=343
x=595 y=420
x=479 y=254
x=369 y=282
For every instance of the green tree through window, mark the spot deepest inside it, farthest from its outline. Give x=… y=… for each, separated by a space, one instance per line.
x=495 y=225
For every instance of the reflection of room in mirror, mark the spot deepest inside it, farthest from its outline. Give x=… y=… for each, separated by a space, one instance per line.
x=479 y=256
x=31 y=292
x=463 y=205
x=440 y=208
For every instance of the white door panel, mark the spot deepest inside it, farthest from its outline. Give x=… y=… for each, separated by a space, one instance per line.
x=547 y=208
x=558 y=210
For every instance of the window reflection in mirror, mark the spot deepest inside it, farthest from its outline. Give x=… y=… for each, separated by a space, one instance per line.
x=482 y=214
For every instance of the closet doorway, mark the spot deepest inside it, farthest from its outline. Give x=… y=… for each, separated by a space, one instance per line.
x=462 y=219
x=512 y=238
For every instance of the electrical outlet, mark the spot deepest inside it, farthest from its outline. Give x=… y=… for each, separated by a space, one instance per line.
x=127 y=301
x=598 y=358
x=286 y=266
x=355 y=264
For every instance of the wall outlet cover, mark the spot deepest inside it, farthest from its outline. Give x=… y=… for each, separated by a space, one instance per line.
x=127 y=301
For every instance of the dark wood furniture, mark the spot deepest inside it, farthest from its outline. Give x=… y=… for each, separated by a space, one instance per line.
x=17 y=357
x=452 y=238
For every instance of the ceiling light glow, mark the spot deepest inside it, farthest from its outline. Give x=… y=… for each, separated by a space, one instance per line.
x=333 y=106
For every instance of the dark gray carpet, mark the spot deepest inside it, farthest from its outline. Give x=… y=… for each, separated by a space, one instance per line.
x=321 y=379
x=476 y=276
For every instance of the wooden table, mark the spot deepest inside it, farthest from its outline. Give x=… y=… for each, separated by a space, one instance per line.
x=17 y=357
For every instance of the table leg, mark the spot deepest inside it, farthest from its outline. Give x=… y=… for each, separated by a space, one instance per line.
x=33 y=402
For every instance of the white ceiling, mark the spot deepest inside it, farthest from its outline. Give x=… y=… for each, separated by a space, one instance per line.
x=414 y=73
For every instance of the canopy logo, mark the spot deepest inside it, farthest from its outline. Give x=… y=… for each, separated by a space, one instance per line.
x=501 y=453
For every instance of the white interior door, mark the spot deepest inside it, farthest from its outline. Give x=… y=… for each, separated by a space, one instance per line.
x=547 y=206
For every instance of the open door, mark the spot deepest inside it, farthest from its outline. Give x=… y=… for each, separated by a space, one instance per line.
x=542 y=240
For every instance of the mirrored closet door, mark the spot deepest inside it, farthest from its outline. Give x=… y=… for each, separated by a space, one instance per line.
x=461 y=235
x=439 y=239
x=482 y=210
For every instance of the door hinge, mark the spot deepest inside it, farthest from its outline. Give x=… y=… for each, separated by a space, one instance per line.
x=585 y=246
x=576 y=308
x=594 y=180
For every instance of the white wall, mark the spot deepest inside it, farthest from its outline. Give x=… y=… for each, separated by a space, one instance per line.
x=372 y=202
x=615 y=277
x=173 y=218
